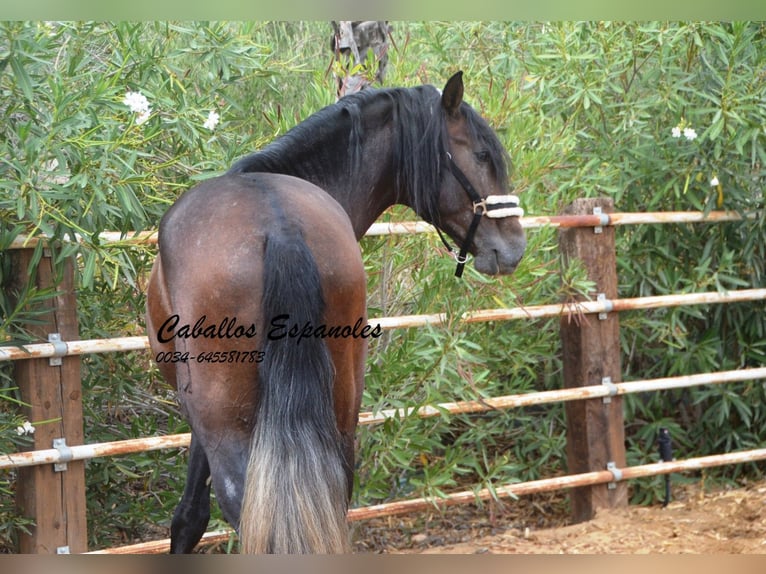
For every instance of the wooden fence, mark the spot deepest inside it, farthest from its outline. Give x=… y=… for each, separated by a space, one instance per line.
x=51 y=485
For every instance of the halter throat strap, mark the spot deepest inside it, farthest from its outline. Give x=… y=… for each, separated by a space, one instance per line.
x=494 y=206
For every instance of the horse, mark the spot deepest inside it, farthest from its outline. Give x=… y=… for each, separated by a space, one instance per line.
x=420 y=147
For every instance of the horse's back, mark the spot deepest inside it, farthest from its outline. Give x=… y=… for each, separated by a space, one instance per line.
x=220 y=222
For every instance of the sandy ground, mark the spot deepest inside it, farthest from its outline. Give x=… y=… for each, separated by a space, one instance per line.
x=697 y=522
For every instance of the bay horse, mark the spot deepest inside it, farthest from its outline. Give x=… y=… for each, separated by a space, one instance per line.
x=256 y=245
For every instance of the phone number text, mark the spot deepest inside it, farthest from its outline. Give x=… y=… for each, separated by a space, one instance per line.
x=210 y=357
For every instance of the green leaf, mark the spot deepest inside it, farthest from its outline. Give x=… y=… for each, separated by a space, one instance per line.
x=22 y=78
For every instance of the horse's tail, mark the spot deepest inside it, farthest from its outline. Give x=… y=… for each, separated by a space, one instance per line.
x=296 y=488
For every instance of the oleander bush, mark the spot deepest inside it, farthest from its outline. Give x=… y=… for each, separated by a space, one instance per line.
x=103 y=125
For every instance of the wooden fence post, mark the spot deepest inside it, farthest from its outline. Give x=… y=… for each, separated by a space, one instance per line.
x=54 y=499
x=591 y=356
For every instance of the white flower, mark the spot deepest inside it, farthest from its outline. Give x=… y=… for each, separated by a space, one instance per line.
x=211 y=121
x=690 y=134
x=714 y=181
x=137 y=102
x=26 y=428
x=676 y=131
x=143 y=117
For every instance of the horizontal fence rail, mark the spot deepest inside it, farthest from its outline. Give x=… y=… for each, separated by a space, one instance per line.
x=73 y=348
x=123 y=447
x=562 y=395
x=580 y=307
x=96 y=450
x=409 y=227
x=559 y=482
x=141 y=342
x=498 y=492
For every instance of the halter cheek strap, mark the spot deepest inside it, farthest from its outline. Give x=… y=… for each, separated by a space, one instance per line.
x=494 y=206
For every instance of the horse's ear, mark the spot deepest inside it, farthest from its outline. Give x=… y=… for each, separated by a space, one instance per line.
x=452 y=96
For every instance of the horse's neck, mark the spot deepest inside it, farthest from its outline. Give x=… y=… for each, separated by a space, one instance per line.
x=364 y=195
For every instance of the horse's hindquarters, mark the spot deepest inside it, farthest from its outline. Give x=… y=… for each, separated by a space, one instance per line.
x=212 y=331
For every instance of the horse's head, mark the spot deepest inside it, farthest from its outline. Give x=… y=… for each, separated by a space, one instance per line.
x=475 y=207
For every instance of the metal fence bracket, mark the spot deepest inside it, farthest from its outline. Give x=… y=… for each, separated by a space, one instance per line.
x=63 y=550
x=601 y=298
x=607 y=381
x=616 y=473
x=59 y=349
x=603 y=220
x=65 y=454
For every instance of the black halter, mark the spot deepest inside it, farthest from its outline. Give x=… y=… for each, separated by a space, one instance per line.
x=481 y=207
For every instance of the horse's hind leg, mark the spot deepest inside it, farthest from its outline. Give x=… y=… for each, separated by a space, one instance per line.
x=193 y=512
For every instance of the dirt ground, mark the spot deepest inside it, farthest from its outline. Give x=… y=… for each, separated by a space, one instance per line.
x=731 y=521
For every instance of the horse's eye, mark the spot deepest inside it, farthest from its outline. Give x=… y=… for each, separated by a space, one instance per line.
x=482 y=156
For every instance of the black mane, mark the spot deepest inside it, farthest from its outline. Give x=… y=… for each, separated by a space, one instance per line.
x=327 y=147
